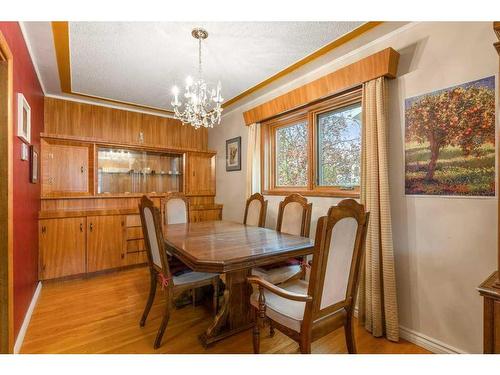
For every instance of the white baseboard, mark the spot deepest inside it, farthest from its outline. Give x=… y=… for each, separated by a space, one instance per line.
x=426 y=342
x=27 y=318
x=431 y=344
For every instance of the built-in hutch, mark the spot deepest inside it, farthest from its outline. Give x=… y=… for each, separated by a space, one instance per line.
x=96 y=163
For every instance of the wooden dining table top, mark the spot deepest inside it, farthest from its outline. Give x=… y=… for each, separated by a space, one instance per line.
x=222 y=246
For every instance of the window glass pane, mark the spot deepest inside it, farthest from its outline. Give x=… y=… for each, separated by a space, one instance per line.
x=339 y=147
x=291 y=155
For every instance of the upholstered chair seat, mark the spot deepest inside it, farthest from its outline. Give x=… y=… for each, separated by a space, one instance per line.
x=191 y=277
x=294 y=217
x=281 y=310
x=279 y=274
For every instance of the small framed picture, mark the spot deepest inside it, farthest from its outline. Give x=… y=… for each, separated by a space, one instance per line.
x=233 y=154
x=34 y=164
x=23 y=118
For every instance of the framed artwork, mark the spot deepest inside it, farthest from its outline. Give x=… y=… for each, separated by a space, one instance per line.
x=450 y=141
x=233 y=154
x=34 y=164
x=23 y=118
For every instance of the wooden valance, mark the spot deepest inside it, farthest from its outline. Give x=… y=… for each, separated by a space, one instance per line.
x=381 y=64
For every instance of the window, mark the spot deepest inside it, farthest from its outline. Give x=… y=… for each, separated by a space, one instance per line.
x=315 y=150
x=291 y=155
x=339 y=147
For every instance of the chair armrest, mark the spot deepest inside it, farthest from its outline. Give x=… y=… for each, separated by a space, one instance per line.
x=277 y=290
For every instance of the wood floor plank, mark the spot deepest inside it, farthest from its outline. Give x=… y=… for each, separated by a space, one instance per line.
x=101 y=315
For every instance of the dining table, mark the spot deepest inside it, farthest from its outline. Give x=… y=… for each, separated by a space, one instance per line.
x=231 y=249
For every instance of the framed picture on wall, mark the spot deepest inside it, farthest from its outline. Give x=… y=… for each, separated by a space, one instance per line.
x=34 y=164
x=233 y=154
x=450 y=141
x=23 y=118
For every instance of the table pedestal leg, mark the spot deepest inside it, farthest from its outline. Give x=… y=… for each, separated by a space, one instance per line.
x=235 y=314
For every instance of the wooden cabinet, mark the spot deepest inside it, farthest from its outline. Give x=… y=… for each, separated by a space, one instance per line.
x=105 y=242
x=65 y=169
x=206 y=214
x=490 y=291
x=62 y=247
x=200 y=179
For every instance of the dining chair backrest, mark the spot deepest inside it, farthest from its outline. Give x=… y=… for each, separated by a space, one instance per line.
x=294 y=215
x=255 y=211
x=153 y=236
x=176 y=208
x=339 y=246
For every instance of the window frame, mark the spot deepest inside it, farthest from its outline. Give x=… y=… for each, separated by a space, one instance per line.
x=310 y=114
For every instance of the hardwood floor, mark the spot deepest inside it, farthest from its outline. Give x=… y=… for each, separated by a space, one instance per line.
x=101 y=315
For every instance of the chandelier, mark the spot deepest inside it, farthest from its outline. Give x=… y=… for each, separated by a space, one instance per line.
x=202 y=106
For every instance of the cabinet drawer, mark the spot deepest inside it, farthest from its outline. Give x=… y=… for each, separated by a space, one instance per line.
x=135 y=245
x=134 y=233
x=133 y=221
x=136 y=258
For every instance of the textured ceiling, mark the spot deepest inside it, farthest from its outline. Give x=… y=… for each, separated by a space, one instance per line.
x=139 y=62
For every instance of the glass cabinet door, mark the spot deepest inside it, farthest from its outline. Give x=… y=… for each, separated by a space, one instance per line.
x=133 y=171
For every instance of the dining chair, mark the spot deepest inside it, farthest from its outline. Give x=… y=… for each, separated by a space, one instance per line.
x=175 y=209
x=159 y=269
x=255 y=211
x=294 y=217
x=307 y=311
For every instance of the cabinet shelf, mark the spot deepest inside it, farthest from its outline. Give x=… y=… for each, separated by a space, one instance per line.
x=129 y=171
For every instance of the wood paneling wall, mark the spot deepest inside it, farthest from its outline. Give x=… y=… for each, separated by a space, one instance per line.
x=103 y=124
x=380 y=64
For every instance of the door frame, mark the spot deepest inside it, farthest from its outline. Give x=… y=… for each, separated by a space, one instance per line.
x=6 y=200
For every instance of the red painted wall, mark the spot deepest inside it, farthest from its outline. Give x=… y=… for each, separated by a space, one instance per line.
x=26 y=195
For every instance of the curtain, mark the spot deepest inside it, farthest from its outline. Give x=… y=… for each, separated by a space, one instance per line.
x=378 y=308
x=253 y=160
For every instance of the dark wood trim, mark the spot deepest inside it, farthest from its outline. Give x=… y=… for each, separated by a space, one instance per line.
x=381 y=64
x=6 y=199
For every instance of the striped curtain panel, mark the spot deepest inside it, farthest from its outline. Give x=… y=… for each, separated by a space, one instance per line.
x=378 y=308
x=253 y=160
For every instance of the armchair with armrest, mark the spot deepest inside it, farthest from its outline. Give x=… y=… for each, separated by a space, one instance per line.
x=306 y=311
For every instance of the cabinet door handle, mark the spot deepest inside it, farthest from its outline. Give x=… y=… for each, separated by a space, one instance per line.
x=44 y=229
x=91 y=226
x=81 y=227
x=82 y=169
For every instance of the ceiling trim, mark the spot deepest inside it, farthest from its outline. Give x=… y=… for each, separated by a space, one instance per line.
x=60 y=31
x=320 y=52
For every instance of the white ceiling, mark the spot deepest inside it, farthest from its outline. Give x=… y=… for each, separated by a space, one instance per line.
x=139 y=62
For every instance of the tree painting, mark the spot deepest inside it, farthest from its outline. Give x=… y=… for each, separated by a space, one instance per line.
x=450 y=141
